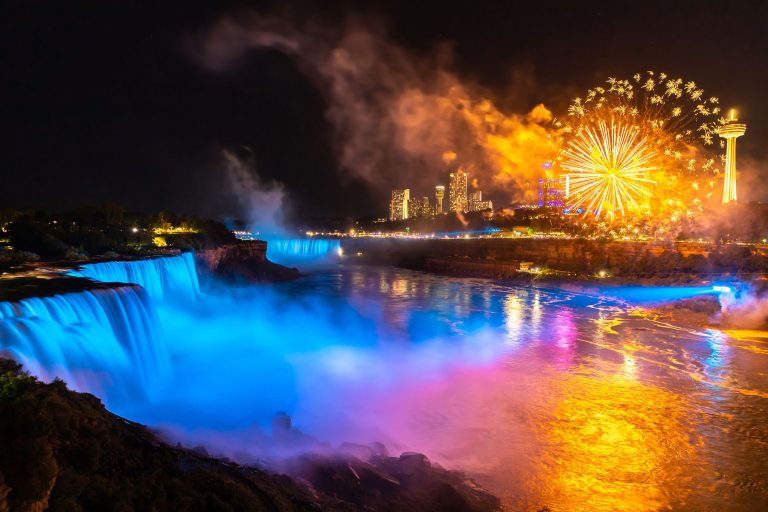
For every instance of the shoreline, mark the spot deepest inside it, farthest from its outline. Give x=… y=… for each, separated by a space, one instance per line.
x=86 y=456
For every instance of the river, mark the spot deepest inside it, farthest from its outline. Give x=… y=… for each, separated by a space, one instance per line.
x=549 y=398
x=564 y=400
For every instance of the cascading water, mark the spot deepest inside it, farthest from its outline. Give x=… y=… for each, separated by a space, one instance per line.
x=304 y=250
x=106 y=340
x=162 y=277
x=94 y=339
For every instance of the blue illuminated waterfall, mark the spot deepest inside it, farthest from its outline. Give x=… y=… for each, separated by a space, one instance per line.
x=90 y=339
x=304 y=250
x=105 y=340
x=161 y=277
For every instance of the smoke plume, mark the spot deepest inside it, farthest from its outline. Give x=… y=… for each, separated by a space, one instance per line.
x=396 y=115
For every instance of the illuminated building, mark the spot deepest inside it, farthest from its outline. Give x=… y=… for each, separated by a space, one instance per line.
x=419 y=208
x=457 y=191
x=476 y=203
x=552 y=192
x=427 y=210
x=439 y=194
x=730 y=131
x=475 y=196
x=398 y=205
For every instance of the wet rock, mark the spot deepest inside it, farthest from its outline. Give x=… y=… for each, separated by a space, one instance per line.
x=201 y=451
x=708 y=304
x=281 y=423
x=379 y=450
x=409 y=482
x=411 y=462
x=360 y=451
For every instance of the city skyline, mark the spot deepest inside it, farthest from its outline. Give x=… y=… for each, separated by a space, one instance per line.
x=403 y=205
x=162 y=117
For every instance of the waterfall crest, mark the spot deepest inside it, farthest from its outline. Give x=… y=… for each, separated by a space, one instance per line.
x=309 y=250
x=106 y=340
x=161 y=277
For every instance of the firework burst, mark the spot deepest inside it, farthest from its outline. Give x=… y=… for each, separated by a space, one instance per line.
x=608 y=167
x=642 y=145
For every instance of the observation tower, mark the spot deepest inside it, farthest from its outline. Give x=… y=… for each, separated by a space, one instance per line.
x=439 y=194
x=730 y=131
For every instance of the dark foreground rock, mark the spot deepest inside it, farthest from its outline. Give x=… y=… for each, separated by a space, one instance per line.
x=61 y=450
x=408 y=482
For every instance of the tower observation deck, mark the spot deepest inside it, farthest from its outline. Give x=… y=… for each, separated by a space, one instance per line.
x=730 y=131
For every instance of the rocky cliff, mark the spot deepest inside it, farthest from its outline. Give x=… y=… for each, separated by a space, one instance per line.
x=245 y=260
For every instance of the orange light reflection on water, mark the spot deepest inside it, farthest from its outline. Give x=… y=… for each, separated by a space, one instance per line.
x=612 y=443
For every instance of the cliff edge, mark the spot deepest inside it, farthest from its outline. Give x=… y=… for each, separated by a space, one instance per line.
x=245 y=260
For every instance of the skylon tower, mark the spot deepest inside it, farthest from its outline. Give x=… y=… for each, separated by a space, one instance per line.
x=730 y=131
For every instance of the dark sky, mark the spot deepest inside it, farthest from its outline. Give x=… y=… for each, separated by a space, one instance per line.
x=101 y=101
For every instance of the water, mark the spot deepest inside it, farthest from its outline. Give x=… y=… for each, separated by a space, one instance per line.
x=549 y=398
x=105 y=341
x=304 y=251
x=175 y=275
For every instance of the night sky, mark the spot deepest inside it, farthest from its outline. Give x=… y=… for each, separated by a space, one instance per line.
x=104 y=102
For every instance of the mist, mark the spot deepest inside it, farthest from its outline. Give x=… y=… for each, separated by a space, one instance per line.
x=339 y=368
x=262 y=204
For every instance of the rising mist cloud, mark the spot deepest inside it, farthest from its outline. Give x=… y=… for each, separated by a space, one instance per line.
x=262 y=203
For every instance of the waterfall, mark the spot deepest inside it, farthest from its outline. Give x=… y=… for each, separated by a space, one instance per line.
x=304 y=250
x=161 y=277
x=103 y=341
x=106 y=340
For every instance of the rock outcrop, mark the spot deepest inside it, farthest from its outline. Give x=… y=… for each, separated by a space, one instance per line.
x=243 y=261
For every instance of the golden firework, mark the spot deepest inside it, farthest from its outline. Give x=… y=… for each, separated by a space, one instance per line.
x=608 y=168
x=641 y=147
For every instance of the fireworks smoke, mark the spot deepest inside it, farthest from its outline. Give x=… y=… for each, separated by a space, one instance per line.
x=399 y=118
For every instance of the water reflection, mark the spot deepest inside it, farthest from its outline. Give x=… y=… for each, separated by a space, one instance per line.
x=614 y=444
x=584 y=403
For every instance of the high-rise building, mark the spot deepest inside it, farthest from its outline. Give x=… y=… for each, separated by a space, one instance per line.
x=730 y=131
x=419 y=208
x=439 y=194
x=427 y=210
x=398 y=205
x=476 y=203
x=553 y=189
x=457 y=191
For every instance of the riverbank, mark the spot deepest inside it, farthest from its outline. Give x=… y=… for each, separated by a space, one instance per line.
x=553 y=261
x=65 y=451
